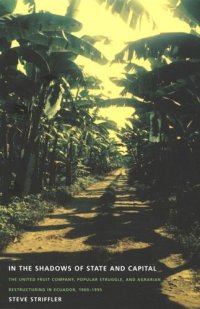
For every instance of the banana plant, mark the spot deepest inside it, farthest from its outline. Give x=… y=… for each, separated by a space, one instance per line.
x=131 y=11
x=34 y=73
x=171 y=88
x=173 y=45
x=187 y=10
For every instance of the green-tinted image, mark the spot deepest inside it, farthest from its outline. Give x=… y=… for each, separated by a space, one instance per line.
x=99 y=154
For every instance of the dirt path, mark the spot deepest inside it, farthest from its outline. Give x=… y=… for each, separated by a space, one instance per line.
x=122 y=232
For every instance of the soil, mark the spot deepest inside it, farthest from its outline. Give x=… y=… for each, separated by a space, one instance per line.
x=122 y=231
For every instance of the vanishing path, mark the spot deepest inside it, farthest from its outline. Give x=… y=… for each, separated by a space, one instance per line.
x=122 y=231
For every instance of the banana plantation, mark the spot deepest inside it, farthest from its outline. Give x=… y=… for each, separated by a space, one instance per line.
x=51 y=132
x=54 y=135
x=51 y=129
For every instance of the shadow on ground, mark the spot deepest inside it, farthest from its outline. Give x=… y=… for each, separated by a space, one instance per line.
x=118 y=231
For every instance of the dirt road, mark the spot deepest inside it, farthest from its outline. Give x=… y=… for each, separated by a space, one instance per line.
x=118 y=230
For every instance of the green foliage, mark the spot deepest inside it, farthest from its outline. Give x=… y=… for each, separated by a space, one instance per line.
x=73 y=8
x=31 y=5
x=7 y=6
x=191 y=241
x=23 y=26
x=188 y=239
x=61 y=64
x=185 y=210
x=63 y=195
x=172 y=44
x=7 y=233
x=187 y=10
x=21 y=214
x=83 y=48
x=36 y=82
x=60 y=195
x=27 y=211
x=82 y=183
x=161 y=149
x=7 y=230
x=131 y=11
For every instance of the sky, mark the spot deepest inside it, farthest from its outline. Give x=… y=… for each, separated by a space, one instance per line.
x=97 y=20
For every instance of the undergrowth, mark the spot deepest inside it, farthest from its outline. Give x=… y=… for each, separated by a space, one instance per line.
x=179 y=212
x=22 y=213
x=63 y=195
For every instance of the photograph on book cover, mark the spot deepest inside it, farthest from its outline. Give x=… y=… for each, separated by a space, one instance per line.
x=99 y=154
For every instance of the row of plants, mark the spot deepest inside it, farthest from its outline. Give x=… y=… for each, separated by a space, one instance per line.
x=163 y=135
x=63 y=194
x=22 y=213
x=51 y=131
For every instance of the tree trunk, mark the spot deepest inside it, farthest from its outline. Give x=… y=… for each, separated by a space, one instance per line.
x=52 y=167
x=42 y=171
x=35 y=188
x=31 y=148
x=12 y=158
x=69 y=163
x=6 y=165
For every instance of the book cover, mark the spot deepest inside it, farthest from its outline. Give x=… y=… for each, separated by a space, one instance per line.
x=99 y=154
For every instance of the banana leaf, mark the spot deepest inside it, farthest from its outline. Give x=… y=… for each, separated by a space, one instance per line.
x=176 y=44
x=22 y=26
x=7 y=6
x=69 y=43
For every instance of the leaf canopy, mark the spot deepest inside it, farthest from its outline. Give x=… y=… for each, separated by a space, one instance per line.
x=131 y=11
x=187 y=10
x=23 y=26
x=60 y=64
x=7 y=6
x=119 y=102
x=176 y=44
x=17 y=82
x=68 y=43
x=148 y=83
x=31 y=4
